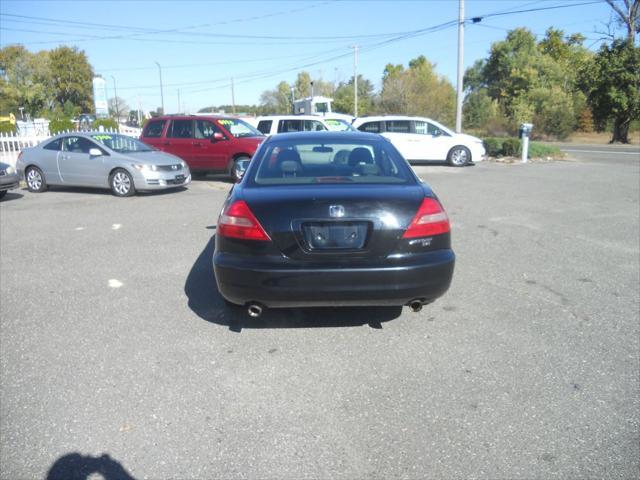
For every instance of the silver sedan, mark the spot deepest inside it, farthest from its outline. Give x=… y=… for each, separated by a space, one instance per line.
x=102 y=160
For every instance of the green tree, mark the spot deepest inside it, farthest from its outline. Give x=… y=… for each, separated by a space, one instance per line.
x=479 y=108
x=344 y=97
x=611 y=82
x=531 y=81
x=72 y=77
x=278 y=100
x=393 y=95
x=25 y=81
x=417 y=90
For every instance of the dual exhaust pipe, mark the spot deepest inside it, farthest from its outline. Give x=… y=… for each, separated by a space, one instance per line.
x=255 y=309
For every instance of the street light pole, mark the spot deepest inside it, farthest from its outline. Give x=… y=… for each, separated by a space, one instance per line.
x=355 y=80
x=460 y=88
x=115 y=97
x=161 y=92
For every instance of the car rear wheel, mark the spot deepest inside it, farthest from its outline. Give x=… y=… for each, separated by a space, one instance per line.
x=459 y=156
x=121 y=183
x=238 y=167
x=35 y=180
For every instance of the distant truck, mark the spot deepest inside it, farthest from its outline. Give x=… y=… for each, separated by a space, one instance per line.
x=317 y=105
x=312 y=106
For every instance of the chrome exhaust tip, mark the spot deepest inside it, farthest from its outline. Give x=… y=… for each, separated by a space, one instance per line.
x=416 y=305
x=254 y=310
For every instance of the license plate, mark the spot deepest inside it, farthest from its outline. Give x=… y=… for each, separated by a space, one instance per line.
x=335 y=235
x=179 y=179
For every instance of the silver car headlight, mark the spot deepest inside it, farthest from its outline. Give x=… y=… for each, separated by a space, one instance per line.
x=9 y=170
x=144 y=167
x=184 y=165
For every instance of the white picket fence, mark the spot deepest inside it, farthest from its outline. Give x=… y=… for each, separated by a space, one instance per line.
x=12 y=144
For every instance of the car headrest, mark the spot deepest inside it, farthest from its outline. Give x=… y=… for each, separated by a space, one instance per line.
x=288 y=155
x=360 y=155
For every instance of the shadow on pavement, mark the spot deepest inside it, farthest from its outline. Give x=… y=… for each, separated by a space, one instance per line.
x=206 y=302
x=75 y=466
x=10 y=196
x=107 y=192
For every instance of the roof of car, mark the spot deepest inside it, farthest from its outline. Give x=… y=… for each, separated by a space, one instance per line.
x=380 y=118
x=86 y=133
x=219 y=116
x=328 y=136
x=290 y=117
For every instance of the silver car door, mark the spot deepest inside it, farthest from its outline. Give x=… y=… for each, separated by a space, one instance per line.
x=47 y=160
x=76 y=166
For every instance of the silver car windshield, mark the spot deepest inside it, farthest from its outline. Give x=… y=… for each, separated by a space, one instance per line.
x=121 y=143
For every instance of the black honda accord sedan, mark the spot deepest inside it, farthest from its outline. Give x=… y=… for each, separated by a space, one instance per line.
x=331 y=219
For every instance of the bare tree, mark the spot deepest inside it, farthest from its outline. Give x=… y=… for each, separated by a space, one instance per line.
x=627 y=13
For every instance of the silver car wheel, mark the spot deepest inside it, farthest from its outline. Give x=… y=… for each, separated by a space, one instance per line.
x=121 y=183
x=459 y=156
x=34 y=179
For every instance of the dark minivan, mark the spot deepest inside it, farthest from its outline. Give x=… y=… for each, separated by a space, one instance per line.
x=207 y=143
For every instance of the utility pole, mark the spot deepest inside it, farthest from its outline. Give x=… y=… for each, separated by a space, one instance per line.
x=161 y=92
x=139 y=112
x=178 y=101
x=460 y=67
x=355 y=80
x=233 y=97
x=115 y=97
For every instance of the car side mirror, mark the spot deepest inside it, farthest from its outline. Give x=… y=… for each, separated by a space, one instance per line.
x=217 y=137
x=95 y=152
x=437 y=133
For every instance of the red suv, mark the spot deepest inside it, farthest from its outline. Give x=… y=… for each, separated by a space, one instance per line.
x=207 y=143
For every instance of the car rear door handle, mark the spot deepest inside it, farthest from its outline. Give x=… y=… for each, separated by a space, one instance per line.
x=196 y=144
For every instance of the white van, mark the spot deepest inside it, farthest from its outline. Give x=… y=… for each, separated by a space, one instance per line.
x=419 y=138
x=272 y=124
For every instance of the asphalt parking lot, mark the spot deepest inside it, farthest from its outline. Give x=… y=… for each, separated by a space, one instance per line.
x=118 y=356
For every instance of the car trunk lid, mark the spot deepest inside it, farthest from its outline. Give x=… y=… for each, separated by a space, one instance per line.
x=317 y=223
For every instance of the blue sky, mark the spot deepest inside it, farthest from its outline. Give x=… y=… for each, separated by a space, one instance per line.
x=201 y=45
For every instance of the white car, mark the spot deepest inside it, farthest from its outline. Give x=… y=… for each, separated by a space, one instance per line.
x=419 y=138
x=272 y=124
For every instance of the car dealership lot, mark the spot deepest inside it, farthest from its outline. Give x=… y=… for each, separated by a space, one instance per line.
x=114 y=341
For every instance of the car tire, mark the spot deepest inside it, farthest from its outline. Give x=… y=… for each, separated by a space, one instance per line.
x=35 y=180
x=238 y=167
x=459 y=156
x=121 y=183
x=2 y=194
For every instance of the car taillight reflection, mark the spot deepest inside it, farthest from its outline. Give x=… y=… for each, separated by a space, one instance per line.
x=237 y=221
x=430 y=220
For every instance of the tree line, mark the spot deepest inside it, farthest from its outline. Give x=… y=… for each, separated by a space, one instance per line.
x=556 y=83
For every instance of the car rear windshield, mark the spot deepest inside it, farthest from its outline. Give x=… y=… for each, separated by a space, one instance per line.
x=121 y=143
x=239 y=128
x=295 y=162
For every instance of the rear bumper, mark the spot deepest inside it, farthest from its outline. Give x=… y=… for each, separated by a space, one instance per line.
x=275 y=282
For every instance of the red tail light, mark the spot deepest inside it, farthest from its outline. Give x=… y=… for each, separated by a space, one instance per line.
x=431 y=219
x=237 y=221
